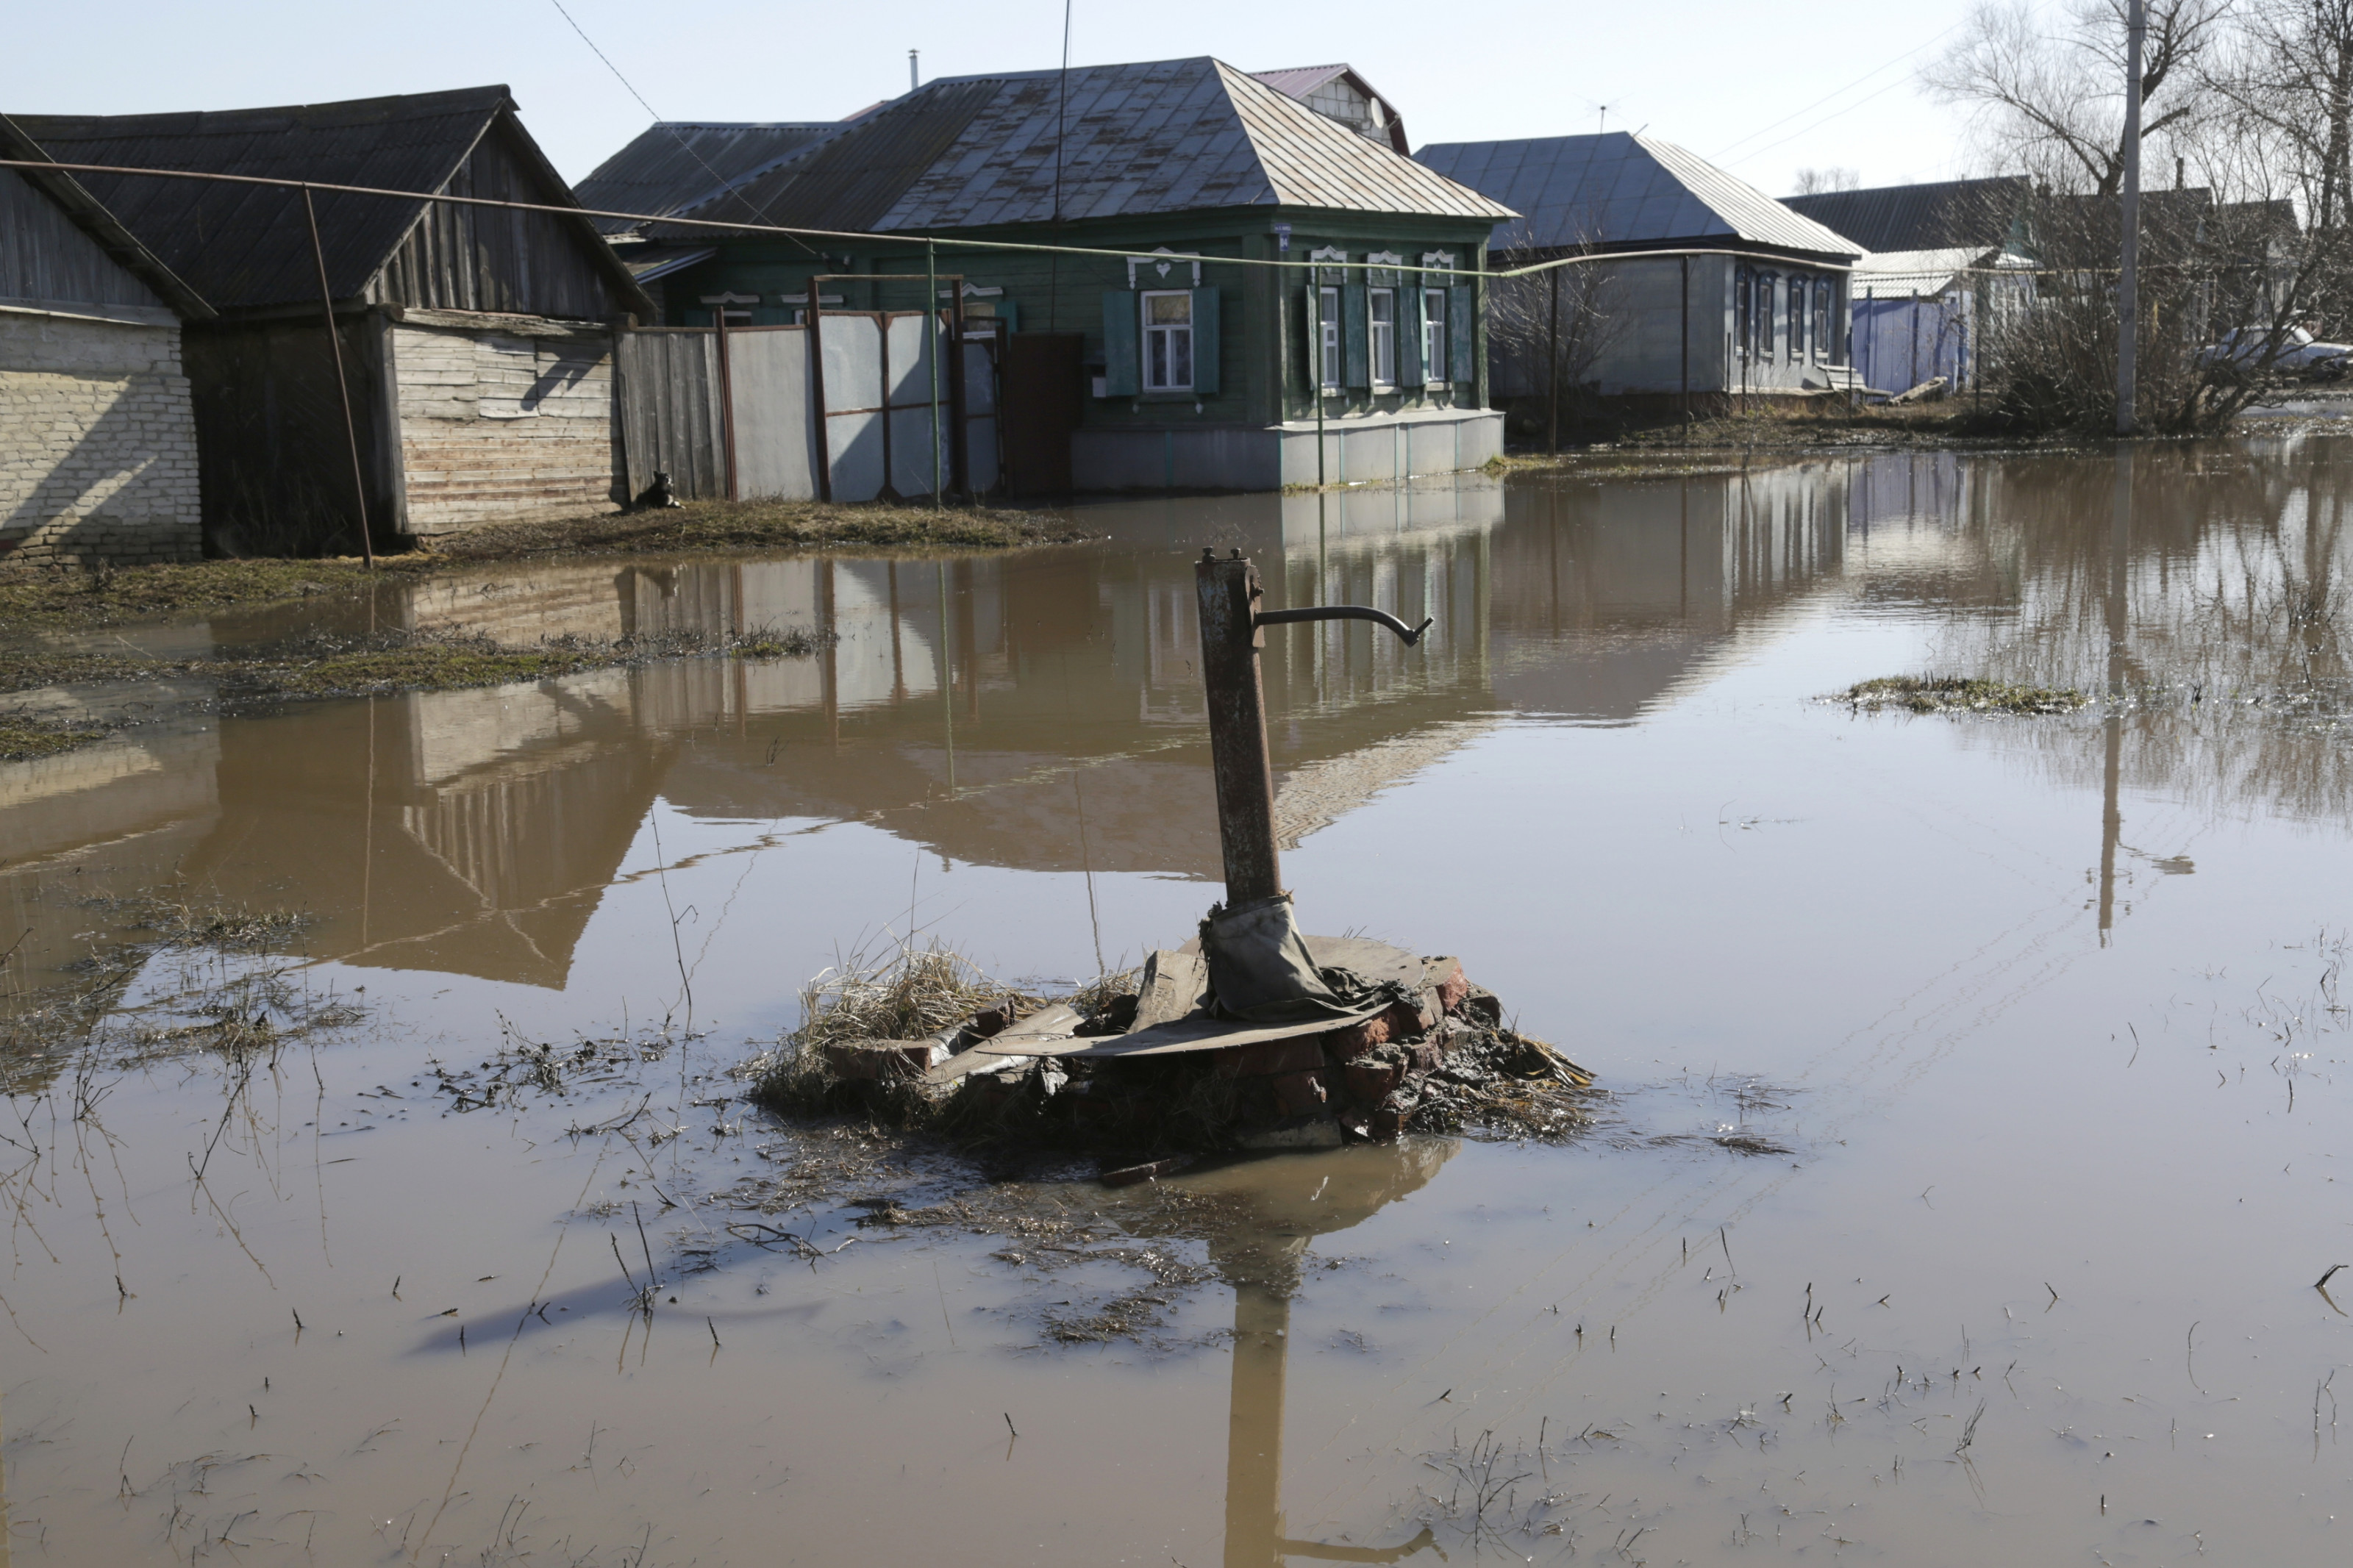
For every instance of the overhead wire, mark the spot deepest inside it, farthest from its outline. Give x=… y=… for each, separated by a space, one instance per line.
x=724 y=186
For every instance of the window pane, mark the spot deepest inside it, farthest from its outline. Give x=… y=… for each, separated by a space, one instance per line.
x=1180 y=357
x=1157 y=373
x=1168 y=310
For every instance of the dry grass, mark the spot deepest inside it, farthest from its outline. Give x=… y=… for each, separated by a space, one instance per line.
x=117 y=596
x=1961 y=694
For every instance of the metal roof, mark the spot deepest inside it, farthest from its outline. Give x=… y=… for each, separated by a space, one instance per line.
x=1623 y=189
x=1164 y=136
x=90 y=215
x=1299 y=82
x=1898 y=274
x=1936 y=216
x=246 y=246
x=677 y=164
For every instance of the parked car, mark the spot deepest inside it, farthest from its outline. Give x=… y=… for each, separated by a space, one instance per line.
x=2300 y=354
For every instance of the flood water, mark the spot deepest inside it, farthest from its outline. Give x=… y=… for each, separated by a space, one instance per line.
x=1966 y=1175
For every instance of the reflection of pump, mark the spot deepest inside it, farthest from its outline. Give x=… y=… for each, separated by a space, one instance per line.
x=1287 y=1203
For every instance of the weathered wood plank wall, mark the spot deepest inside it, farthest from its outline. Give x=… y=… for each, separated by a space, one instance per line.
x=669 y=400
x=45 y=259
x=499 y=427
x=483 y=259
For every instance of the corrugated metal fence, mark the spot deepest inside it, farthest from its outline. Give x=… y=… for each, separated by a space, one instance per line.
x=745 y=414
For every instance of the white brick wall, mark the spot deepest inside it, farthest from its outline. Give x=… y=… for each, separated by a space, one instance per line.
x=503 y=428
x=98 y=445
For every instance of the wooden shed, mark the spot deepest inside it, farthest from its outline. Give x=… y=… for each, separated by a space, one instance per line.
x=476 y=341
x=97 y=443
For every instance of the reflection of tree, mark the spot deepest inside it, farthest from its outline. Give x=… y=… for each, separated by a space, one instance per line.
x=2221 y=630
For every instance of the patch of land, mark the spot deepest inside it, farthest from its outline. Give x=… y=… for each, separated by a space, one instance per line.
x=1961 y=694
x=116 y=596
x=22 y=739
x=376 y=666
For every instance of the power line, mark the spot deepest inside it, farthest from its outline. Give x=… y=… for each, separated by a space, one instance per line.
x=1834 y=92
x=723 y=184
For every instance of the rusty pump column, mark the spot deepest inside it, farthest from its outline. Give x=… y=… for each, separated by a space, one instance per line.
x=1230 y=640
x=1231 y=635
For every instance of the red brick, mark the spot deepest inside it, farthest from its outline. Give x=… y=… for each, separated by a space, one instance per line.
x=1368 y=1081
x=1299 y=1093
x=1300 y=1053
x=1453 y=989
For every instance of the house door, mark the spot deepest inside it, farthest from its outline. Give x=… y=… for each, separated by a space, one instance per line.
x=1040 y=408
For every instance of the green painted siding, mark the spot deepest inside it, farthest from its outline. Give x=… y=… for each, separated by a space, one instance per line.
x=1261 y=365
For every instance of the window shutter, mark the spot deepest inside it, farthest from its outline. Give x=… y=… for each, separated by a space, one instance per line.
x=1121 y=326
x=1205 y=343
x=1355 y=359
x=1408 y=349
x=1459 y=340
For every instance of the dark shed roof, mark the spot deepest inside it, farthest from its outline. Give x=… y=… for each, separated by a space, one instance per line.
x=1945 y=215
x=92 y=219
x=677 y=164
x=1164 y=136
x=248 y=246
x=1621 y=190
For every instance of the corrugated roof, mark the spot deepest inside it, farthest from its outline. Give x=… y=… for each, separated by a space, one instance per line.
x=246 y=246
x=1163 y=136
x=90 y=215
x=1920 y=217
x=1621 y=189
x=677 y=164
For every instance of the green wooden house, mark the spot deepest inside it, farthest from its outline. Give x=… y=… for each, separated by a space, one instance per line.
x=1163 y=363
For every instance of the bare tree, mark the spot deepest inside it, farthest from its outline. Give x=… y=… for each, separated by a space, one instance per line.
x=1815 y=181
x=2054 y=102
x=1553 y=327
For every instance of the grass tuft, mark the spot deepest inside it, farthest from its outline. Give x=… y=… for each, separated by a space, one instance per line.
x=1961 y=694
x=21 y=740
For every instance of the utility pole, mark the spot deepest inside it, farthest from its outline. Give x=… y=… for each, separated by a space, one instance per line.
x=2129 y=277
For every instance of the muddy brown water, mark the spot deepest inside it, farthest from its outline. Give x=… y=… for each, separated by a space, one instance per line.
x=1975 y=1144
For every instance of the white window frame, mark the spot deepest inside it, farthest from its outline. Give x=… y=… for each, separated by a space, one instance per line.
x=1380 y=337
x=1328 y=368
x=1437 y=368
x=1169 y=332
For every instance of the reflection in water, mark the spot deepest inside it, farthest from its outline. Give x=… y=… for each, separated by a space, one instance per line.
x=1290 y=1203
x=1042 y=711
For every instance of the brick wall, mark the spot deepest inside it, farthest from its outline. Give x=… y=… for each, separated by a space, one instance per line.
x=503 y=428
x=98 y=447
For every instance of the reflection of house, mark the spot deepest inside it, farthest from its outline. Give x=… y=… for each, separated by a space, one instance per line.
x=1164 y=368
x=98 y=444
x=477 y=344
x=1769 y=317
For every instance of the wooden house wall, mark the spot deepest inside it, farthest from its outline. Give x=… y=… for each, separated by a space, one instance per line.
x=487 y=258
x=503 y=427
x=45 y=259
x=271 y=444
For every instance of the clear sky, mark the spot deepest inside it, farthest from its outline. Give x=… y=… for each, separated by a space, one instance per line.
x=1761 y=89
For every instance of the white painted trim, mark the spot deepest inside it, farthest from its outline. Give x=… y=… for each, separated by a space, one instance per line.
x=1143 y=330
x=1161 y=260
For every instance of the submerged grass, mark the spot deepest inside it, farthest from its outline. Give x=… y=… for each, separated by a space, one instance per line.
x=23 y=739
x=117 y=596
x=1961 y=694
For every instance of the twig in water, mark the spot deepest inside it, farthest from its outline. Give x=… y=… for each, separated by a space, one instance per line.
x=715 y=1332
x=1008 y=1424
x=2322 y=1283
x=1970 y=1432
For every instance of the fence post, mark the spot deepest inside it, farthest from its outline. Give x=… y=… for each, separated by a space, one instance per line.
x=932 y=351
